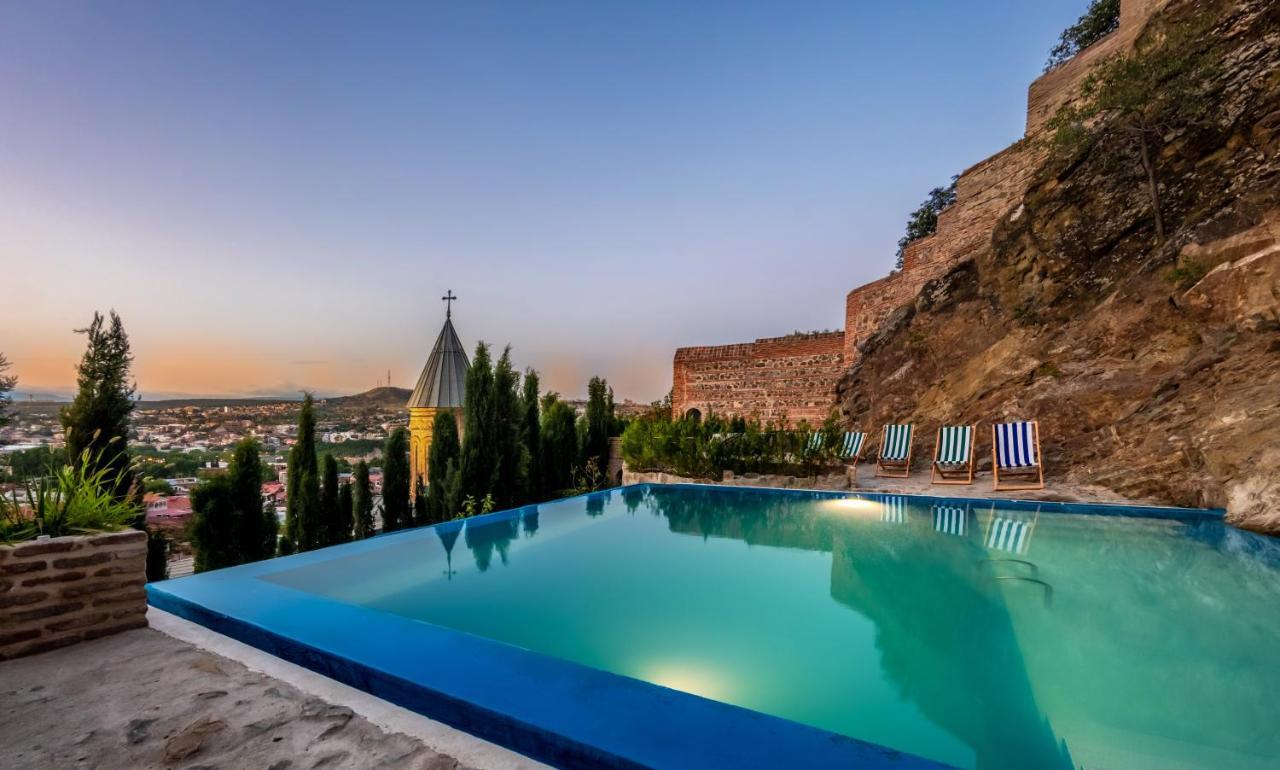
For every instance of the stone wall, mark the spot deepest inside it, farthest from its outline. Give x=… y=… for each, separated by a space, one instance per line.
x=747 y=379
x=57 y=592
x=793 y=377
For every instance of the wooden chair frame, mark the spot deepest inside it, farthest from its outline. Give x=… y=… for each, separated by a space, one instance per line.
x=852 y=462
x=895 y=469
x=964 y=476
x=1036 y=471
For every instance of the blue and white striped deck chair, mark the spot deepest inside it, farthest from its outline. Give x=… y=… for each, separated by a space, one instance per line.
x=893 y=510
x=1015 y=451
x=894 y=457
x=851 y=449
x=1010 y=531
x=953 y=455
x=951 y=519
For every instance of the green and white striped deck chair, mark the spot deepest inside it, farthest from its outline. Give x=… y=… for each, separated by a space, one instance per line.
x=893 y=509
x=951 y=519
x=814 y=444
x=894 y=458
x=1015 y=451
x=953 y=455
x=851 y=449
x=1010 y=531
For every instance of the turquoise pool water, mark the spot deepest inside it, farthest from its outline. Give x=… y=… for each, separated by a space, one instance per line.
x=980 y=635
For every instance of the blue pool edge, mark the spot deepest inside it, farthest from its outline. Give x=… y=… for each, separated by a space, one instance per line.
x=556 y=711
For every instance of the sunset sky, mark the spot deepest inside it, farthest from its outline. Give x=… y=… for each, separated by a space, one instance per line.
x=274 y=195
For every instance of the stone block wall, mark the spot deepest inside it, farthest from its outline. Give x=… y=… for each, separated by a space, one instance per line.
x=793 y=377
x=57 y=592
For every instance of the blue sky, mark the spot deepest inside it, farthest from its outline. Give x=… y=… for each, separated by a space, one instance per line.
x=275 y=195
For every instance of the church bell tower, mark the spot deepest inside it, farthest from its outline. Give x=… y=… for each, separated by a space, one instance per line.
x=442 y=386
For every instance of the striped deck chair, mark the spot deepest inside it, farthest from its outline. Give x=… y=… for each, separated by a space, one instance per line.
x=895 y=451
x=814 y=444
x=851 y=449
x=951 y=519
x=1010 y=531
x=953 y=455
x=894 y=510
x=1015 y=451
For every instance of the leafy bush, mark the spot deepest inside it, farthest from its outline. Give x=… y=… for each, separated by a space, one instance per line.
x=923 y=222
x=75 y=498
x=709 y=447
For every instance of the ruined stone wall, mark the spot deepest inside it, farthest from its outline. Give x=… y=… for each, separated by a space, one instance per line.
x=792 y=377
x=752 y=379
x=65 y=590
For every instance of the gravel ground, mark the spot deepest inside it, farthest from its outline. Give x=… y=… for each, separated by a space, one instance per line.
x=142 y=699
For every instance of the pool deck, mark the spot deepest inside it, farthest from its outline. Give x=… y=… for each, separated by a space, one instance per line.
x=147 y=698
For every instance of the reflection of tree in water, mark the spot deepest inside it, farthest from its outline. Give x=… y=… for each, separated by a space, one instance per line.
x=483 y=538
x=596 y=503
x=529 y=520
x=448 y=533
x=632 y=497
x=912 y=582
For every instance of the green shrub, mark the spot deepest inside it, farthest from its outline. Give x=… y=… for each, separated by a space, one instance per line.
x=1187 y=273
x=75 y=498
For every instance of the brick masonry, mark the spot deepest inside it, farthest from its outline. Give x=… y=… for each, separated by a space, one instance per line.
x=768 y=378
x=65 y=590
x=792 y=377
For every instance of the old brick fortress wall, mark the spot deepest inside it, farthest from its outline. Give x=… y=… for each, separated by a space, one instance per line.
x=768 y=377
x=65 y=590
x=793 y=377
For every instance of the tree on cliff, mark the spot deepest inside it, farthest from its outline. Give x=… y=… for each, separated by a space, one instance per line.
x=1101 y=19
x=395 y=482
x=1131 y=104
x=98 y=419
x=924 y=220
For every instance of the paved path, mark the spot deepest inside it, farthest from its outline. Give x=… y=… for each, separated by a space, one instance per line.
x=143 y=699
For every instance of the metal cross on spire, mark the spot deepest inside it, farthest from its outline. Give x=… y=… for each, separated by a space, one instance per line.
x=448 y=299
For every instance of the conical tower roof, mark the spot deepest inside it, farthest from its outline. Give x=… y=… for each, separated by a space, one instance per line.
x=443 y=382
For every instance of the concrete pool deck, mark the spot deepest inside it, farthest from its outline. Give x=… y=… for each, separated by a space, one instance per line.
x=179 y=695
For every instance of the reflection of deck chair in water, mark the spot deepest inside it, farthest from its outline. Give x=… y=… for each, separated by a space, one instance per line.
x=951 y=519
x=1011 y=532
x=893 y=510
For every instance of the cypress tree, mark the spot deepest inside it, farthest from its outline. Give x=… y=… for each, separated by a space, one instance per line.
x=559 y=445
x=508 y=469
x=256 y=524
x=478 y=460
x=395 y=482
x=330 y=530
x=302 y=514
x=598 y=422
x=531 y=438
x=442 y=461
x=362 y=502
x=7 y=384
x=232 y=526
x=346 y=512
x=96 y=423
x=420 y=516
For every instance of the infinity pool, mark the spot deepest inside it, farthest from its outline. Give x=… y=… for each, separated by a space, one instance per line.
x=974 y=634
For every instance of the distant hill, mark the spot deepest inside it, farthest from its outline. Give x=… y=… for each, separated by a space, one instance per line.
x=383 y=397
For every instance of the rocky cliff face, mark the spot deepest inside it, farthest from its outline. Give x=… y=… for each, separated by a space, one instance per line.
x=1154 y=371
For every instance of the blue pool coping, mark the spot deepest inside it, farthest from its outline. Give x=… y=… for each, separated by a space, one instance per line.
x=553 y=710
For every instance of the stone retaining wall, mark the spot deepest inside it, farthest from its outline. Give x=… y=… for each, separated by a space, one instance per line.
x=57 y=592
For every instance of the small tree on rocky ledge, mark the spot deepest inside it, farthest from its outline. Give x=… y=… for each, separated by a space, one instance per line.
x=1102 y=18
x=1132 y=104
x=924 y=220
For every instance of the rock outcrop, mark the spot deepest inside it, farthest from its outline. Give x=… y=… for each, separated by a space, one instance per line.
x=1154 y=370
